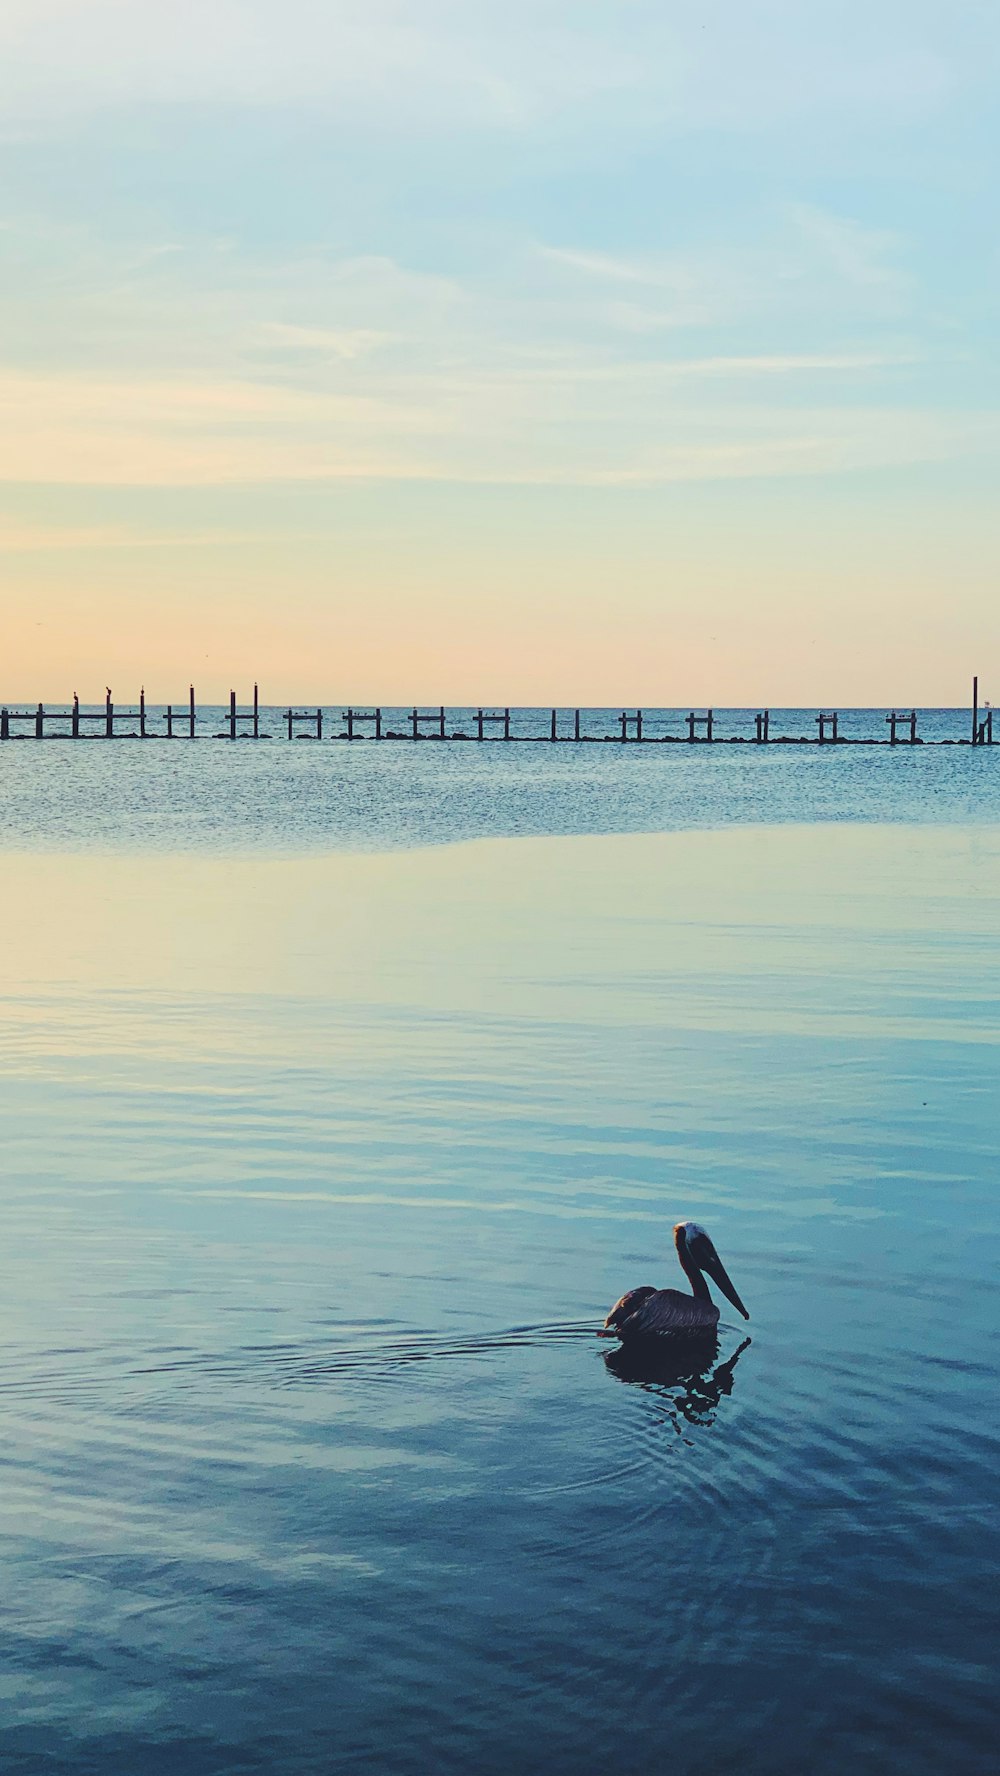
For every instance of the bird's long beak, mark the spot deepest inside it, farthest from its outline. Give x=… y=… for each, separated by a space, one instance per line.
x=720 y=1276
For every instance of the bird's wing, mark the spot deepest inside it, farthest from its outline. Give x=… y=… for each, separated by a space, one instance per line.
x=626 y=1306
x=664 y=1311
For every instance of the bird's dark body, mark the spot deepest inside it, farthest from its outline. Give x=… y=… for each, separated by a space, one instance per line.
x=660 y=1313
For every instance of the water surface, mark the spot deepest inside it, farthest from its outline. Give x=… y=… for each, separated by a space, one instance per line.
x=320 y=1171
x=273 y=796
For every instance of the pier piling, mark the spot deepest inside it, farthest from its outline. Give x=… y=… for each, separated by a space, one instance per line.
x=421 y=718
x=354 y=717
x=295 y=716
x=69 y=719
x=485 y=716
x=900 y=720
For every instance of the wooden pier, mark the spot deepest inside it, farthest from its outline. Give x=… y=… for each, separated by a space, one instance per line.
x=562 y=726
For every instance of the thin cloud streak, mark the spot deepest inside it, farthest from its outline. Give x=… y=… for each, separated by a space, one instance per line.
x=74 y=431
x=18 y=538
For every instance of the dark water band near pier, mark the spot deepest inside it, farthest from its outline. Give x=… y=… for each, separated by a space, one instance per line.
x=184 y=720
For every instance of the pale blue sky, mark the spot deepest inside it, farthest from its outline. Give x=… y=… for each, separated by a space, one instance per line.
x=571 y=351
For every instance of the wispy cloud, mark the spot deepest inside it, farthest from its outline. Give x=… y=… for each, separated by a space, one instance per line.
x=865 y=258
x=20 y=537
x=667 y=370
x=333 y=342
x=795 y=257
x=606 y=430
x=472 y=64
x=218 y=367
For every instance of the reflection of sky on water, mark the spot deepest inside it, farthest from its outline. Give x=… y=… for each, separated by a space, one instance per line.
x=317 y=1171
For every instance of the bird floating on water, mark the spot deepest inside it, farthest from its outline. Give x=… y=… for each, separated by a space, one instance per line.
x=664 y=1313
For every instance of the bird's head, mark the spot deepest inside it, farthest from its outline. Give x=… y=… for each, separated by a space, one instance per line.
x=697 y=1253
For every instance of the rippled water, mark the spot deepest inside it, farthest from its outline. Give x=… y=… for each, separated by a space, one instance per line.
x=320 y=1172
x=278 y=797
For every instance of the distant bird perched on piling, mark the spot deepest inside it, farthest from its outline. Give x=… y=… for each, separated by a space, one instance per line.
x=648 y=1313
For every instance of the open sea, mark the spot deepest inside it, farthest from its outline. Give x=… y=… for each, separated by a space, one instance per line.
x=343 y=1089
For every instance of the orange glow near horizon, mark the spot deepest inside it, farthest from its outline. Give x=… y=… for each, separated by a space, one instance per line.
x=594 y=613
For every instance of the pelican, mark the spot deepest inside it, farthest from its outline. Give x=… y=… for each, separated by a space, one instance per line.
x=662 y=1313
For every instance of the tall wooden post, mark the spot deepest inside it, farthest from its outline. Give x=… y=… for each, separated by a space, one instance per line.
x=975 y=711
x=191 y=713
x=256 y=713
x=109 y=717
x=75 y=723
x=39 y=723
x=319 y=724
x=913 y=727
x=506 y=724
x=576 y=725
x=708 y=725
x=623 y=721
x=479 y=724
x=232 y=715
x=170 y=721
x=638 y=724
x=350 y=724
x=413 y=720
x=289 y=724
x=441 y=723
x=691 y=725
x=552 y=731
x=4 y=724
x=378 y=723
x=142 y=712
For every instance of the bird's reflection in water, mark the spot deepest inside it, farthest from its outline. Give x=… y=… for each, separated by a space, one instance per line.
x=682 y=1373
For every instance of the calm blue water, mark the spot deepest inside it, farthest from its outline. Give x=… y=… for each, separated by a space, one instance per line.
x=326 y=1149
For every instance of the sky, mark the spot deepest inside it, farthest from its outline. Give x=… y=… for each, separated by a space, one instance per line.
x=579 y=351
